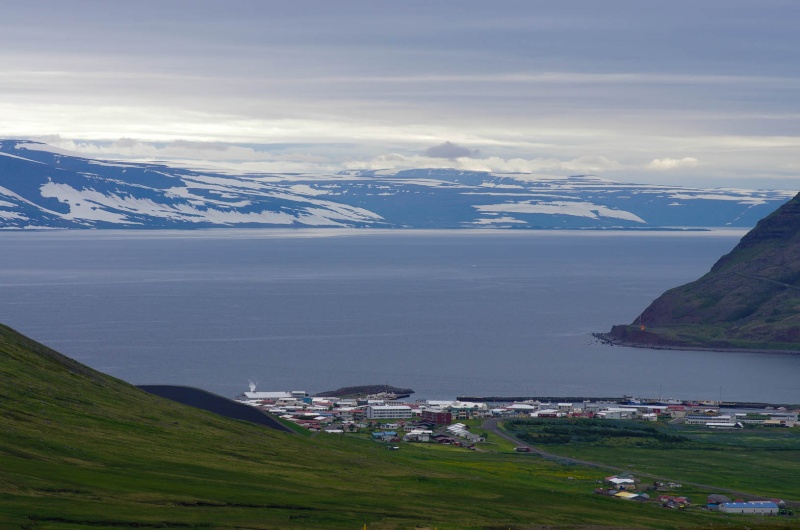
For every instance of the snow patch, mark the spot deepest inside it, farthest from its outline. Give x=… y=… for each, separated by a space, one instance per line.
x=9 y=155
x=4 y=214
x=497 y=220
x=305 y=189
x=577 y=209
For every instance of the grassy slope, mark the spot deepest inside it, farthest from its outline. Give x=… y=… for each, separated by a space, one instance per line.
x=79 y=449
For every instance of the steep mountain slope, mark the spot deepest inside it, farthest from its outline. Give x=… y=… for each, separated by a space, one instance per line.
x=41 y=187
x=749 y=299
x=79 y=449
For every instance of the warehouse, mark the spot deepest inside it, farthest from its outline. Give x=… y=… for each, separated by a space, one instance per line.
x=757 y=508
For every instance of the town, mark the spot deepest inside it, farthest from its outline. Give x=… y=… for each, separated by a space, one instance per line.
x=387 y=418
x=419 y=419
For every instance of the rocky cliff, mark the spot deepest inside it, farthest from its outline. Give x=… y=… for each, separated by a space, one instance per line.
x=750 y=299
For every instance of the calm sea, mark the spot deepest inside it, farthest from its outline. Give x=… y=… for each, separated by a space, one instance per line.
x=445 y=313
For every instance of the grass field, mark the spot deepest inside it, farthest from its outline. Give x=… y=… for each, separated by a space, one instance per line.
x=79 y=449
x=761 y=460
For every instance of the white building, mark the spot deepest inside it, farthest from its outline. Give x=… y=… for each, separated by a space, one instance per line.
x=704 y=420
x=757 y=508
x=461 y=430
x=418 y=435
x=724 y=425
x=273 y=396
x=619 y=414
x=380 y=412
x=548 y=413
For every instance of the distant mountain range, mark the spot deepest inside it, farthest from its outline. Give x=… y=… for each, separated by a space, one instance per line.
x=750 y=299
x=42 y=187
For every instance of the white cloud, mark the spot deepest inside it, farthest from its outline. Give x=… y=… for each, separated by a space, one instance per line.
x=450 y=150
x=663 y=164
x=587 y=164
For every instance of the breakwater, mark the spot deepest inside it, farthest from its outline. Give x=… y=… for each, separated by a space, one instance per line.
x=626 y=400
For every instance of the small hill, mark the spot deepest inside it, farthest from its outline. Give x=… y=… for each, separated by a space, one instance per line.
x=750 y=299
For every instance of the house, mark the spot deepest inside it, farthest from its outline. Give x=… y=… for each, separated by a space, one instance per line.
x=384 y=435
x=623 y=481
x=461 y=430
x=628 y=496
x=677 y=411
x=418 y=435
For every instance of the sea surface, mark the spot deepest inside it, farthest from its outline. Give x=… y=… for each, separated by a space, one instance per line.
x=446 y=313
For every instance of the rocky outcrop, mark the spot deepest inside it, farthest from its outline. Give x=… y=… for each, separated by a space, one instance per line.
x=366 y=390
x=750 y=299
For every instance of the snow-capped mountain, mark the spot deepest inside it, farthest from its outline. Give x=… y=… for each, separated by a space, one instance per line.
x=43 y=188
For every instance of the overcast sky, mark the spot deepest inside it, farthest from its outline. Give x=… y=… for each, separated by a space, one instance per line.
x=691 y=92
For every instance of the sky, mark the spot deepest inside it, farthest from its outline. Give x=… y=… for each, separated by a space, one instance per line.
x=703 y=93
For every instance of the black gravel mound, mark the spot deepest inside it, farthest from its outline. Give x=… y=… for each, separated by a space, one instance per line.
x=202 y=399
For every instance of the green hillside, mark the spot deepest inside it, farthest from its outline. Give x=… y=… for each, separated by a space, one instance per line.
x=750 y=299
x=79 y=449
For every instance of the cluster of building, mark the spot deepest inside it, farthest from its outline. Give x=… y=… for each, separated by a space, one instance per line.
x=333 y=414
x=714 y=419
x=707 y=415
x=350 y=414
x=625 y=486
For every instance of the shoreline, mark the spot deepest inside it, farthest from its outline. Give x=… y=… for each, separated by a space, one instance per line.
x=605 y=339
x=626 y=400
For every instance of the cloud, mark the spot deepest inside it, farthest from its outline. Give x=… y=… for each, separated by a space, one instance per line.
x=582 y=165
x=450 y=151
x=662 y=164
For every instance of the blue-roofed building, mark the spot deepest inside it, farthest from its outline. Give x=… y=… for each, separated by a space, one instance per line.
x=384 y=435
x=755 y=507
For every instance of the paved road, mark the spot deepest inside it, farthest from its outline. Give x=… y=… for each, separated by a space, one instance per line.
x=491 y=425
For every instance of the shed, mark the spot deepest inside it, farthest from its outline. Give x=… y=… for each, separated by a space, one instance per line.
x=626 y=495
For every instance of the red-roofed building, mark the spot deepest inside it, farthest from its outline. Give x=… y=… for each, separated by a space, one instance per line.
x=439 y=417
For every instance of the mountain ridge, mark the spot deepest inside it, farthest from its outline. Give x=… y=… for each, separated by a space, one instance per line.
x=43 y=187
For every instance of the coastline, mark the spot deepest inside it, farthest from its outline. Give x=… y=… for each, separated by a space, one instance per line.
x=607 y=339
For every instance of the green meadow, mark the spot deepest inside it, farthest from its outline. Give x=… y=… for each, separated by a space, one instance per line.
x=79 y=449
x=763 y=461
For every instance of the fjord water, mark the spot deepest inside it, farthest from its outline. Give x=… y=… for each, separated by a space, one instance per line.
x=445 y=313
